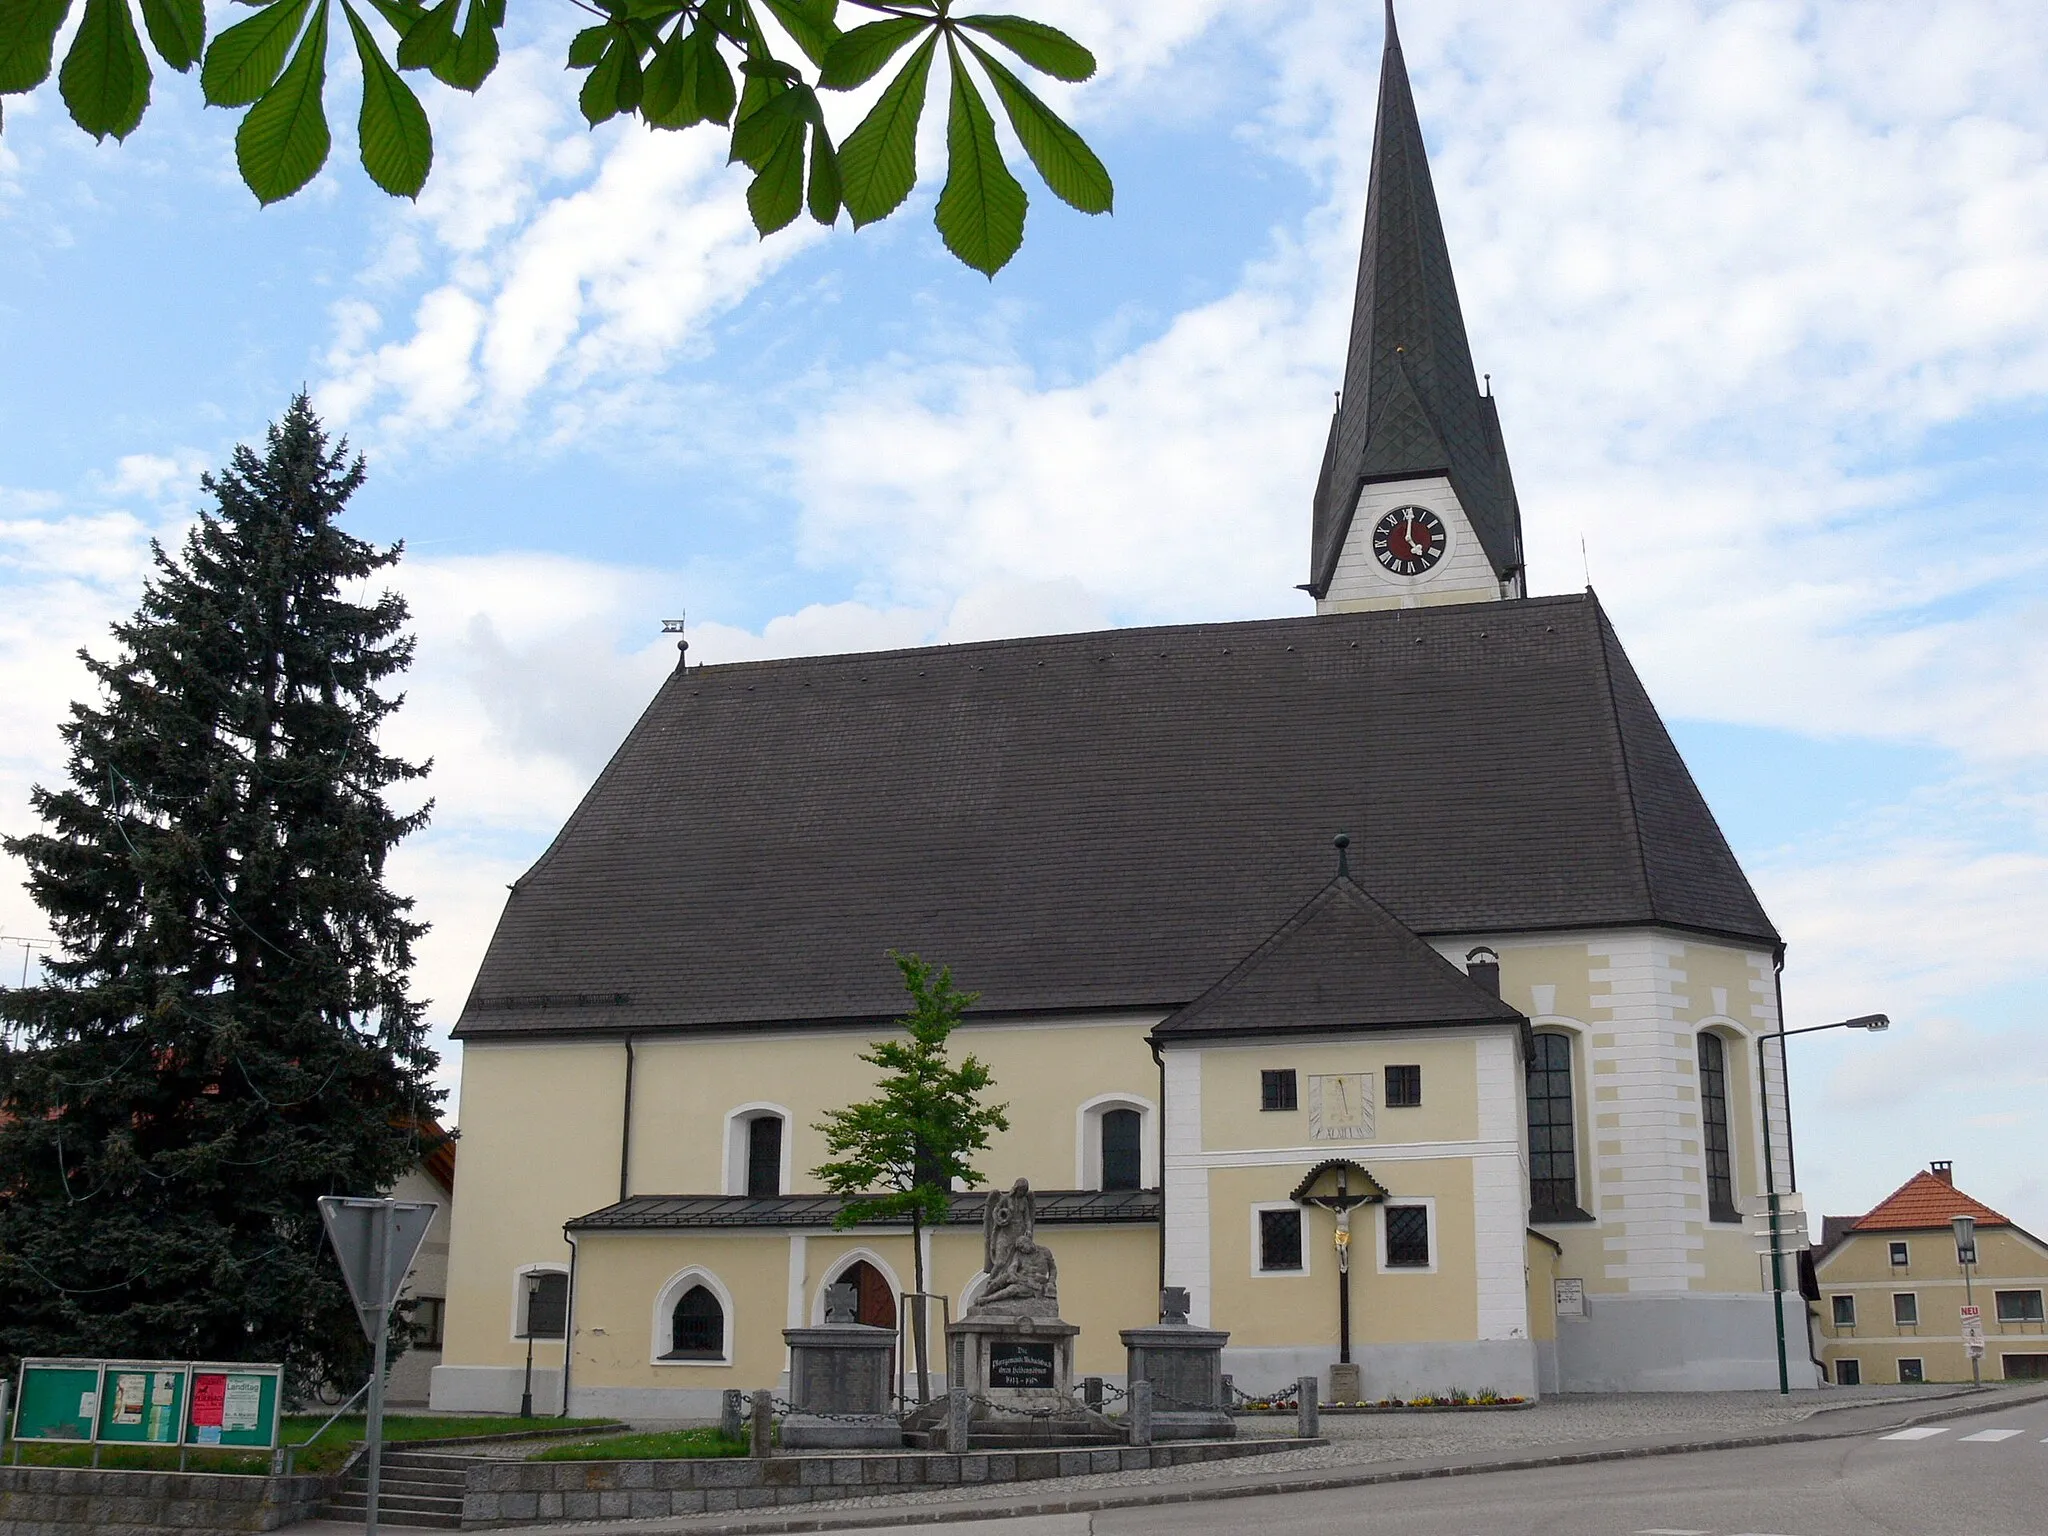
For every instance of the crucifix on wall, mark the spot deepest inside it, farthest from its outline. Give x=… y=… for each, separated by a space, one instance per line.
x=1340 y=1187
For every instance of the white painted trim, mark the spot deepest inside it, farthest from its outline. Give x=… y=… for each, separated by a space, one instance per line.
x=799 y=1273
x=1088 y=1138
x=1258 y=1273
x=1428 y=1203
x=664 y=1308
x=840 y=1266
x=732 y=1173
x=1184 y=1234
x=519 y=1296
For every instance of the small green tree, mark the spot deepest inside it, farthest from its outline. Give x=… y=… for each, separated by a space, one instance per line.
x=900 y=1152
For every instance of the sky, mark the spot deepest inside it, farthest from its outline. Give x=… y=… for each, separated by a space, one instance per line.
x=1762 y=288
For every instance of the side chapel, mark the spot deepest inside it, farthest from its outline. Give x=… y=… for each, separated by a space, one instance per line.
x=1499 y=1036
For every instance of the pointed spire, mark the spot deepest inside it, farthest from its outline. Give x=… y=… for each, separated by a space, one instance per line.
x=1411 y=404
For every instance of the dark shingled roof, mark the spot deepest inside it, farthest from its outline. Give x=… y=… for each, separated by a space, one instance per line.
x=1102 y=821
x=660 y=1213
x=1411 y=402
x=1343 y=962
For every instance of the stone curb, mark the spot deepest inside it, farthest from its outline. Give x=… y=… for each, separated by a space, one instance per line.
x=1135 y=1498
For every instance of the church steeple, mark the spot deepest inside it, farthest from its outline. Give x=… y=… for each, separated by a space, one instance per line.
x=1411 y=415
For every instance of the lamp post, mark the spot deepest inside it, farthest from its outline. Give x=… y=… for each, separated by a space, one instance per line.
x=1872 y=1022
x=526 y=1396
x=1966 y=1255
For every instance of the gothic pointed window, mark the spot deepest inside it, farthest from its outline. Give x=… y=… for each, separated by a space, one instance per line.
x=1714 y=1129
x=697 y=1326
x=1553 y=1132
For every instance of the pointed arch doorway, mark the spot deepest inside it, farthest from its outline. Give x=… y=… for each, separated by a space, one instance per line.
x=860 y=1293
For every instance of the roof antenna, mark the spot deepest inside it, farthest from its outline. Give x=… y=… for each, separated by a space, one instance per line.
x=1343 y=842
x=1586 y=562
x=675 y=627
x=1489 y=386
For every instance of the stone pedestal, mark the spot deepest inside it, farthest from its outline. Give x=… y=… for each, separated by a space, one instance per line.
x=1184 y=1364
x=839 y=1377
x=1346 y=1383
x=1019 y=1374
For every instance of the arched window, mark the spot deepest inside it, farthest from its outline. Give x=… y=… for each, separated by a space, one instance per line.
x=1714 y=1129
x=764 y=1156
x=860 y=1293
x=1123 y=1152
x=1553 y=1132
x=697 y=1326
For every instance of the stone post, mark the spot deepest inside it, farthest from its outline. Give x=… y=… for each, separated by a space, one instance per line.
x=764 y=1426
x=732 y=1411
x=1091 y=1393
x=1141 y=1413
x=959 y=1416
x=1308 y=1420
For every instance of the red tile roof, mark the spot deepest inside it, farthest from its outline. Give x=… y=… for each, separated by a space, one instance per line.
x=1926 y=1201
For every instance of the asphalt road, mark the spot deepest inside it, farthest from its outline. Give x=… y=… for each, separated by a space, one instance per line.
x=1980 y=1476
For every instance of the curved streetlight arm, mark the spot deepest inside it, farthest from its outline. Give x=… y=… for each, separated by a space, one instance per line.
x=1873 y=1023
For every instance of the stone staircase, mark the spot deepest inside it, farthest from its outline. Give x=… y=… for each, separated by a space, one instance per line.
x=417 y=1488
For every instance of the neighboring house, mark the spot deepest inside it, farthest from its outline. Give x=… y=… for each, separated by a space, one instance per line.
x=1526 y=995
x=431 y=1182
x=1891 y=1290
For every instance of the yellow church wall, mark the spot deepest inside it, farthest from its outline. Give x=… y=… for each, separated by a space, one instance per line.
x=1386 y=1307
x=1233 y=1121
x=534 y=1152
x=1542 y=1274
x=684 y=1090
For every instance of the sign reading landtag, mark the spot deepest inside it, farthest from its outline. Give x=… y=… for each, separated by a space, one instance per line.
x=375 y=1240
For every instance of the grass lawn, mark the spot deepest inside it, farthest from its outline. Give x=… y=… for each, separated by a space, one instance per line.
x=327 y=1456
x=671 y=1445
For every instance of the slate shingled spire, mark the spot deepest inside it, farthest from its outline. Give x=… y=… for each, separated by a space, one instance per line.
x=1411 y=405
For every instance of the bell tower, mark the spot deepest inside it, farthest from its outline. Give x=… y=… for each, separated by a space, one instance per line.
x=1415 y=504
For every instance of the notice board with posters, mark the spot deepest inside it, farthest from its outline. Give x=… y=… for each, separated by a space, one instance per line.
x=142 y=1402
x=234 y=1405
x=57 y=1400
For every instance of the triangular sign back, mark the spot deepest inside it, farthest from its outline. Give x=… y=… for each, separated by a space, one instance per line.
x=375 y=1240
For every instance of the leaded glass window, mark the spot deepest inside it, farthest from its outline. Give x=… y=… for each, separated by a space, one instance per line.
x=1122 y=1158
x=698 y=1324
x=1714 y=1129
x=1553 y=1131
x=1407 y=1236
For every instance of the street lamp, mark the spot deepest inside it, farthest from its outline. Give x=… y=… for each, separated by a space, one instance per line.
x=1966 y=1255
x=526 y=1396
x=1870 y=1022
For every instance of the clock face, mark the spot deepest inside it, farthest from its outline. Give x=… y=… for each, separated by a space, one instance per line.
x=1409 y=540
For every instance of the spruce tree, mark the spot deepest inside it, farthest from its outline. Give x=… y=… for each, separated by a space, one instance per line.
x=225 y=1033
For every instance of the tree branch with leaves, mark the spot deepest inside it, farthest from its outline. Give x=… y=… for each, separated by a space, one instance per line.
x=900 y=1153
x=753 y=67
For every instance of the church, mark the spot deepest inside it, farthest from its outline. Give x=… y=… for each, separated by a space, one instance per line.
x=1378 y=976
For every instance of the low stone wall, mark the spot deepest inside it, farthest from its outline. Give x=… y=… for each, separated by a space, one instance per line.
x=71 y=1501
x=525 y=1492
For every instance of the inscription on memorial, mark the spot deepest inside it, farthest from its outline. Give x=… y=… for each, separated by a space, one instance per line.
x=1020 y=1363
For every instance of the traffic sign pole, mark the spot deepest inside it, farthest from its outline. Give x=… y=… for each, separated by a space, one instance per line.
x=373 y=1429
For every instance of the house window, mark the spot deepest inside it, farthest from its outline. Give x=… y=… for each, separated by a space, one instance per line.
x=1553 y=1137
x=1277 y=1090
x=1407 y=1237
x=1898 y=1255
x=1906 y=1309
x=1122 y=1156
x=544 y=1304
x=2019 y=1306
x=1404 y=1087
x=1845 y=1311
x=764 y=1156
x=697 y=1326
x=1280 y=1240
x=1714 y=1128
x=2025 y=1367
x=1909 y=1370
x=429 y=1317
x=1848 y=1373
